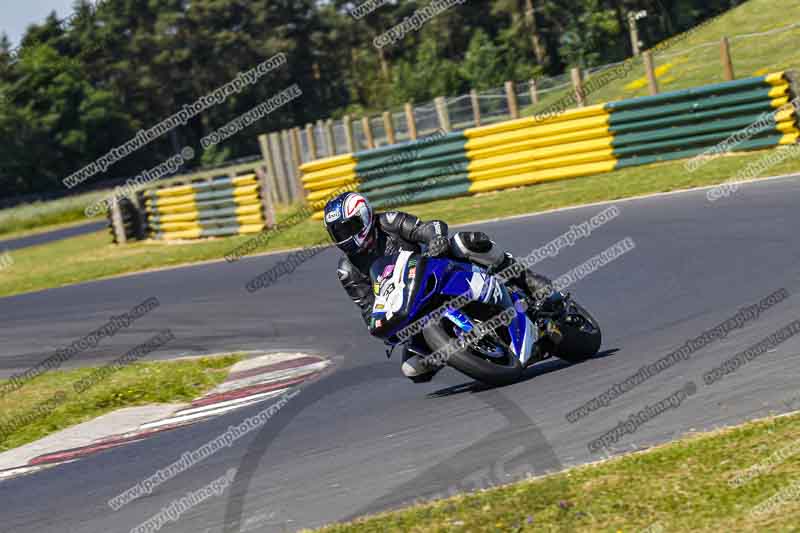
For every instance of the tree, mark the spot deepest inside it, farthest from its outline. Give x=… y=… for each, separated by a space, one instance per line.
x=427 y=76
x=82 y=87
x=589 y=34
x=533 y=28
x=51 y=119
x=483 y=66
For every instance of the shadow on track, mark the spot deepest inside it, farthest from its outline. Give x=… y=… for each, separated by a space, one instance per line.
x=535 y=371
x=511 y=453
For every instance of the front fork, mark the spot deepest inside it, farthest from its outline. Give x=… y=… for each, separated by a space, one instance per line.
x=534 y=330
x=547 y=315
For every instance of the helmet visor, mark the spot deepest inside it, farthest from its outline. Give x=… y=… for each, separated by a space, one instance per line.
x=344 y=229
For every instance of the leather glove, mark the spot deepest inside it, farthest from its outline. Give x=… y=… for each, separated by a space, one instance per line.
x=438 y=247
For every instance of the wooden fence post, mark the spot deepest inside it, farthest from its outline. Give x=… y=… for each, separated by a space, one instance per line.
x=117 y=223
x=411 y=120
x=330 y=140
x=288 y=166
x=367 y=126
x=577 y=83
x=324 y=150
x=348 y=133
x=443 y=114
x=280 y=171
x=296 y=133
x=650 y=68
x=266 y=153
x=511 y=96
x=141 y=213
x=725 y=55
x=312 y=143
x=284 y=148
x=534 y=92
x=297 y=138
x=476 y=107
x=793 y=77
x=266 y=197
x=388 y=125
x=294 y=143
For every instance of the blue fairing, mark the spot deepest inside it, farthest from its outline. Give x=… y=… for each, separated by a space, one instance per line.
x=521 y=331
x=449 y=278
x=425 y=280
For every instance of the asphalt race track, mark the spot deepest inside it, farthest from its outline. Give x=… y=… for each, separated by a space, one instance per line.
x=51 y=236
x=363 y=438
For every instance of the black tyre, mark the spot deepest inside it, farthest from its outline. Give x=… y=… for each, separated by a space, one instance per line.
x=496 y=372
x=581 y=335
x=131 y=219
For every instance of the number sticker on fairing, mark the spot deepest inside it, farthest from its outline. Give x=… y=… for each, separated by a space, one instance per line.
x=390 y=294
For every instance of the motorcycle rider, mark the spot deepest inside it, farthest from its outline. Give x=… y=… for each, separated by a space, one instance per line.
x=365 y=236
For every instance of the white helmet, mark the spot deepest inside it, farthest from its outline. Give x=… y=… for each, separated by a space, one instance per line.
x=349 y=220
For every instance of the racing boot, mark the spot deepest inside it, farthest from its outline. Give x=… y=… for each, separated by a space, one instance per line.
x=544 y=299
x=416 y=367
x=534 y=285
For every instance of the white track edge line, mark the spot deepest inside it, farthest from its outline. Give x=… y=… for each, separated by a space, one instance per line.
x=190 y=417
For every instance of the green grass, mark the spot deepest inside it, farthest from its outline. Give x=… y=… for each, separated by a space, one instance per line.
x=682 y=486
x=695 y=60
x=135 y=384
x=92 y=256
x=44 y=216
x=46 y=229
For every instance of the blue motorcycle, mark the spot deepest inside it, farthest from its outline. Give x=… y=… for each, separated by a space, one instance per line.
x=455 y=313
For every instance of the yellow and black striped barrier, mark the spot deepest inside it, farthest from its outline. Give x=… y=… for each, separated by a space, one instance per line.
x=210 y=208
x=575 y=143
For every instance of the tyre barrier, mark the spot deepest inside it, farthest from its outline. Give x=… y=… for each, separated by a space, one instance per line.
x=133 y=223
x=211 y=208
x=565 y=144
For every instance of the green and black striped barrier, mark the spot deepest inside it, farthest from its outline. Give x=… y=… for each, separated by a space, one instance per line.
x=579 y=142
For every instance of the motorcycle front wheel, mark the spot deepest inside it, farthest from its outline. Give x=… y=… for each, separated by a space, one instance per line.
x=488 y=361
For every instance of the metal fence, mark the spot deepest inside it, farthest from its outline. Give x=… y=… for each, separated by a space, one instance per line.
x=492 y=105
x=675 y=69
x=662 y=69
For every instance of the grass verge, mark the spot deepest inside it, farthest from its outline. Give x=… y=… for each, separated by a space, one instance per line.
x=135 y=384
x=44 y=216
x=92 y=256
x=692 y=59
x=682 y=486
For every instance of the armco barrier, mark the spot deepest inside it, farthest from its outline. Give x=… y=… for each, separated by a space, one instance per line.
x=574 y=143
x=439 y=161
x=209 y=208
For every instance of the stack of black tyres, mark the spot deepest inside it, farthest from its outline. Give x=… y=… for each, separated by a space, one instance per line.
x=132 y=221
